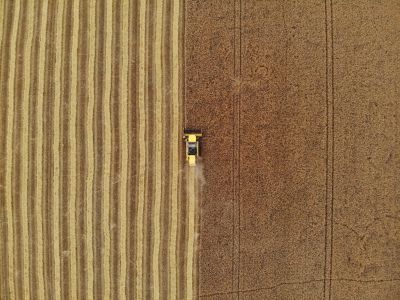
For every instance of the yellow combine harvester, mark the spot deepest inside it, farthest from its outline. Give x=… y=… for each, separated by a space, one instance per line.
x=192 y=138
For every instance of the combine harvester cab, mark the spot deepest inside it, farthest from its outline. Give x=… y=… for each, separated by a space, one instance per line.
x=192 y=137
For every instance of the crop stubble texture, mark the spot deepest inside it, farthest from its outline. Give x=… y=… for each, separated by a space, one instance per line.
x=91 y=157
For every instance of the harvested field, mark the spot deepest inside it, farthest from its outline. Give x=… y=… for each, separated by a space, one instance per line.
x=296 y=195
x=92 y=193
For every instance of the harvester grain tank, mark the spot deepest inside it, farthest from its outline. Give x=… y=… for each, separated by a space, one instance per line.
x=192 y=138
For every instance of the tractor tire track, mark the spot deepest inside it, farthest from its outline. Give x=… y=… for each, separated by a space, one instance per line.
x=56 y=220
x=66 y=147
x=32 y=162
x=22 y=142
x=149 y=129
x=73 y=179
x=82 y=140
x=38 y=158
x=107 y=151
x=132 y=180
x=175 y=166
x=8 y=74
x=124 y=150
x=5 y=25
x=142 y=155
x=116 y=149
x=166 y=191
x=192 y=197
x=90 y=150
x=47 y=155
x=159 y=138
x=98 y=154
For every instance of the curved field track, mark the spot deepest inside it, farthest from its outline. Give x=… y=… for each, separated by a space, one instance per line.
x=92 y=193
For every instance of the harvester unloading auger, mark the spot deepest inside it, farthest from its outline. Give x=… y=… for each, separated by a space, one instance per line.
x=192 y=137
